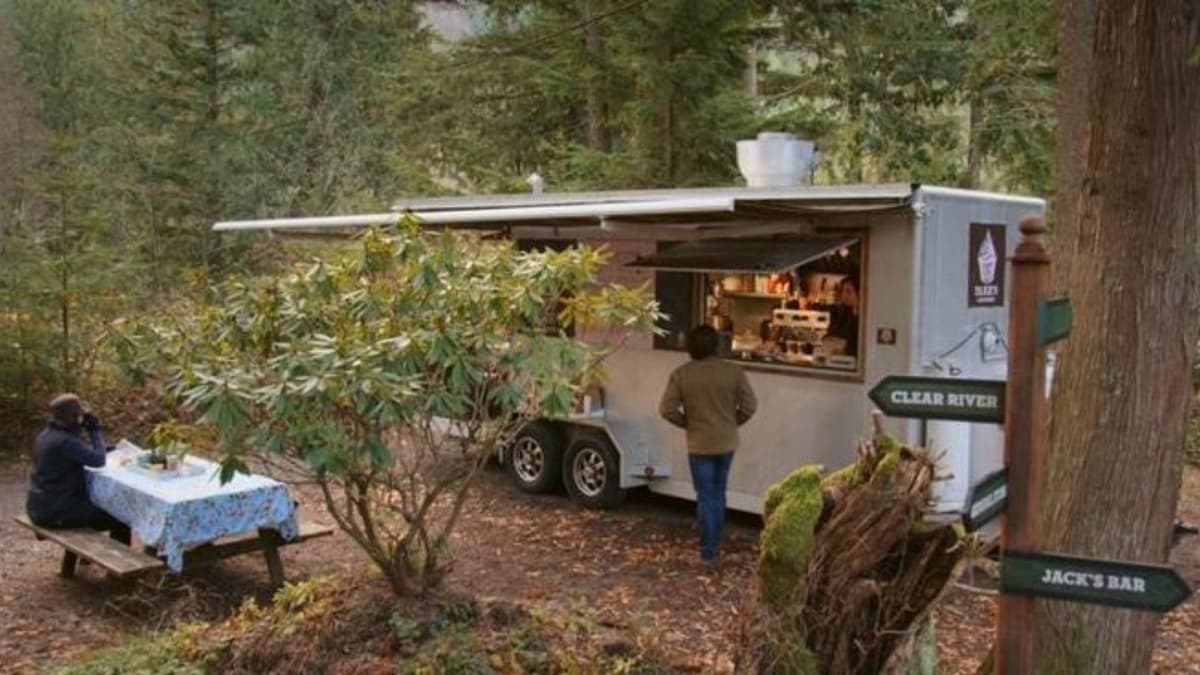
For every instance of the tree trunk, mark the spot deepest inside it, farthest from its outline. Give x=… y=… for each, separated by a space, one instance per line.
x=212 y=113
x=857 y=162
x=316 y=141
x=596 y=109
x=751 y=77
x=1123 y=390
x=669 y=129
x=64 y=291
x=1076 y=33
x=974 y=152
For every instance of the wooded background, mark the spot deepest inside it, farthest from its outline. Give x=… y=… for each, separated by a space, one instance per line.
x=127 y=128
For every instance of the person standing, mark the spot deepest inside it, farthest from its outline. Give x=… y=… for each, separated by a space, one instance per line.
x=58 y=496
x=844 y=322
x=709 y=398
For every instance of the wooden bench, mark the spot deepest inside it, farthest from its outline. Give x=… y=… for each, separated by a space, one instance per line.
x=122 y=560
x=267 y=541
x=96 y=547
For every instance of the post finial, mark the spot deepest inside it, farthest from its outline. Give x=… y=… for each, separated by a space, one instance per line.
x=1033 y=226
x=1032 y=247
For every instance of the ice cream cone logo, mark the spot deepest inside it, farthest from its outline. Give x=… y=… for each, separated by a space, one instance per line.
x=987 y=260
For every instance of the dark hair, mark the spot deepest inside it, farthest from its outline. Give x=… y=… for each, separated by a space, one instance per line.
x=65 y=408
x=702 y=341
x=850 y=279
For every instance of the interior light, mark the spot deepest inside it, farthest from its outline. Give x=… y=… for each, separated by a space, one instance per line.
x=843 y=251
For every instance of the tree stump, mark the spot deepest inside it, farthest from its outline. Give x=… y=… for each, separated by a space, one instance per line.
x=849 y=569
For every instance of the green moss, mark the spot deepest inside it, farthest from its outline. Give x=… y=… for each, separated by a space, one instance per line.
x=793 y=507
x=847 y=476
x=889 y=452
x=888 y=463
x=779 y=491
x=888 y=444
x=787 y=540
x=924 y=528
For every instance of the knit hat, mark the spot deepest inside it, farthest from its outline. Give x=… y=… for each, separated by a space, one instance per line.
x=66 y=408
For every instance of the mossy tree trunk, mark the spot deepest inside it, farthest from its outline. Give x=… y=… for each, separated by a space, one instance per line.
x=849 y=569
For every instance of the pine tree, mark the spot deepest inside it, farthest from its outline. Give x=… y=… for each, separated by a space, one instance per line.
x=595 y=94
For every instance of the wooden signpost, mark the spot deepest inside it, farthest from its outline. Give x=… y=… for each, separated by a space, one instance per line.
x=1027 y=573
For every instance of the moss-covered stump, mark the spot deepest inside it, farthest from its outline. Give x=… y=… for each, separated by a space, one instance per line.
x=849 y=570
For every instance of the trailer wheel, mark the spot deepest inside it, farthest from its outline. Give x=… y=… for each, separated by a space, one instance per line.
x=535 y=458
x=592 y=473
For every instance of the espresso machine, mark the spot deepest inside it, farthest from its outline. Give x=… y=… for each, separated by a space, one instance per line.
x=799 y=332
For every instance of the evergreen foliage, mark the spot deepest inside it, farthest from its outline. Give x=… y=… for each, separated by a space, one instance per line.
x=127 y=128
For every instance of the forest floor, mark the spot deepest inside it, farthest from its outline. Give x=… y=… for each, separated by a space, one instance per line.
x=632 y=566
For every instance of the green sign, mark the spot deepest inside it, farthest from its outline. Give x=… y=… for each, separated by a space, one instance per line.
x=940 y=398
x=986 y=501
x=1129 y=585
x=1054 y=320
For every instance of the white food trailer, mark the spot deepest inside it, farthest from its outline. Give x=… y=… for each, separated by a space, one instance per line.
x=761 y=264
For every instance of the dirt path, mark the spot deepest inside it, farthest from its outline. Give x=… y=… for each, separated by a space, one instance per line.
x=636 y=564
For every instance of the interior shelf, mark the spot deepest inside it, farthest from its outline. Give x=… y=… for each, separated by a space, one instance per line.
x=749 y=294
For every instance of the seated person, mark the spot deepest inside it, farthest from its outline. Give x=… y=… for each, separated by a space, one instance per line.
x=58 y=496
x=843 y=320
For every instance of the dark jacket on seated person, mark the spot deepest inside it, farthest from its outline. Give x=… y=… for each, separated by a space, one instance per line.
x=58 y=489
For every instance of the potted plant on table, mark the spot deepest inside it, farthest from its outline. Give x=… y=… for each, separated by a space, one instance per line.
x=167 y=446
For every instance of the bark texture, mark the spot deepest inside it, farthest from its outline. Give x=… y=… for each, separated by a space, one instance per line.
x=848 y=571
x=1076 y=33
x=596 y=109
x=1126 y=242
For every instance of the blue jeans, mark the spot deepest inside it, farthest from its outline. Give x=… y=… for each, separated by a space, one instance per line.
x=710 y=477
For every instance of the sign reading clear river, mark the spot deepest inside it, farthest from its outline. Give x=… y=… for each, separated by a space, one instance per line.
x=940 y=398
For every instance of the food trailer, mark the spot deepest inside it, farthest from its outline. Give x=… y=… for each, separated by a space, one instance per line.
x=817 y=291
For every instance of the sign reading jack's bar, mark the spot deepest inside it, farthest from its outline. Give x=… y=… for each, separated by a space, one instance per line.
x=940 y=398
x=1129 y=585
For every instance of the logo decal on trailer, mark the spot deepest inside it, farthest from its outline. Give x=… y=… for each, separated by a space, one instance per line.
x=985 y=277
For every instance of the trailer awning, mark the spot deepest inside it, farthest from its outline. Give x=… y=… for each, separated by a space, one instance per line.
x=692 y=213
x=668 y=209
x=741 y=256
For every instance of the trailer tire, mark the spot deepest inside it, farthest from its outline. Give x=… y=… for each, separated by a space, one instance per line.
x=591 y=472
x=535 y=458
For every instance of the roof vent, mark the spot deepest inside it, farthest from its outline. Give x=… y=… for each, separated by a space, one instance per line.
x=776 y=159
x=537 y=184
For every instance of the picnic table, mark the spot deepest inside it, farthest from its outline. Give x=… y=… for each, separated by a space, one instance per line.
x=183 y=516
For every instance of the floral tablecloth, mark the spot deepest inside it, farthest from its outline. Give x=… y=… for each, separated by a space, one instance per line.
x=177 y=511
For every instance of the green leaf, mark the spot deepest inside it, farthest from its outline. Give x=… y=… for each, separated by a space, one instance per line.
x=319 y=459
x=230 y=466
x=379 y=454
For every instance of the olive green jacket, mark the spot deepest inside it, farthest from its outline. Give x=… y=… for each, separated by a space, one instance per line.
x=710 y=399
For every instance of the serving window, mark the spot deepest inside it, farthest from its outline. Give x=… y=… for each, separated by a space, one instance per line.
x=782 y=303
